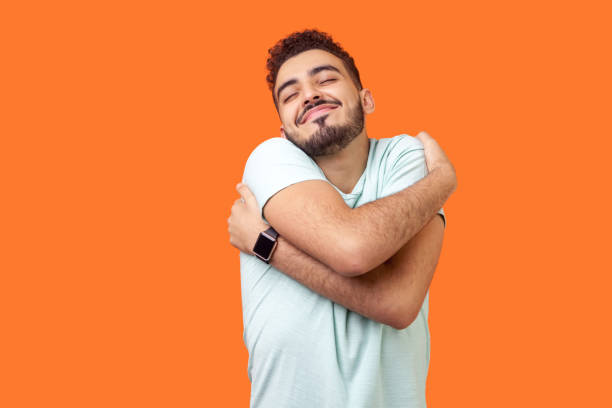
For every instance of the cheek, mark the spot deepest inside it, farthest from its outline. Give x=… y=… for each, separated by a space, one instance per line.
x=288 y=116
x=337 y=115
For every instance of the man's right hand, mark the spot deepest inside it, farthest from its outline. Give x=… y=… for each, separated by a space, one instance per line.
x=436 y=159
x=245 y=222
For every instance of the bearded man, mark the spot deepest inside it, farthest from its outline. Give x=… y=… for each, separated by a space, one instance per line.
x=339 y=236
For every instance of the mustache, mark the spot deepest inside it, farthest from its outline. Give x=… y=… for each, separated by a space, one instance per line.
x=314 y=105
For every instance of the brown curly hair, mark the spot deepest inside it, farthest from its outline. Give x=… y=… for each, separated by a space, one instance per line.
x=301 y=41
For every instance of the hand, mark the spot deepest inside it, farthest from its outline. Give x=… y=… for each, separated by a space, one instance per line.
x=245 y=222
x=436 y=159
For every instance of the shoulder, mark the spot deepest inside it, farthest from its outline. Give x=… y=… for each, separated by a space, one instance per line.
x=398 y=150
x=276 y=164
x=276 y=147
x=401 y=163
x=275 y=143
x=278 y=154
x=401 y=143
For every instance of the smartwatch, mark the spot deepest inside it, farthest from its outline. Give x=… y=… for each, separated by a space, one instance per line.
x=265 y=245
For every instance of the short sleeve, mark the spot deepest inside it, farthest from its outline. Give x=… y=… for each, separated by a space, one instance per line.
x=276 y=164
x=405 y=165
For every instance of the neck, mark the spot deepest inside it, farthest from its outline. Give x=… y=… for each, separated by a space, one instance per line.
x=345 y=168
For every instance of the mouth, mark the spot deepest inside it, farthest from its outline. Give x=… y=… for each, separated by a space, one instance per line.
x=317 y=112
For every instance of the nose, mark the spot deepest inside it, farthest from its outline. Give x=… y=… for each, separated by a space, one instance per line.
x=311 y=95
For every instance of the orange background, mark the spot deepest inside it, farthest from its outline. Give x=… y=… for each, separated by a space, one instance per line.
x=125 y=127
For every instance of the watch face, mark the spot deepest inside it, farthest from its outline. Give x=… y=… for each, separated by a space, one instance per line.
x=264 y=246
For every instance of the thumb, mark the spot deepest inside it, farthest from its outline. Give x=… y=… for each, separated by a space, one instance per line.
x=246 y=193
x=423 y=137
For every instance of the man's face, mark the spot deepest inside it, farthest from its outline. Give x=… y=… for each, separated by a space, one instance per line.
x=318 y=103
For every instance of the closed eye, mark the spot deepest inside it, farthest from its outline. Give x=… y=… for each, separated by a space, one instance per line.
x=328 y=80
x=289 y=97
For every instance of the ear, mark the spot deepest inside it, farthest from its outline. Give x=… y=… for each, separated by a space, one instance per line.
x=367 y=100
x=282 y=132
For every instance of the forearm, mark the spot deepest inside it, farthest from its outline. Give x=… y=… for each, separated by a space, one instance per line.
x=387 y=224
x=391 y=294
x=361 y=294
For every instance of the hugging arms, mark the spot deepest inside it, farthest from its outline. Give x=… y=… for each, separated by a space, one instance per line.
x=377 y=259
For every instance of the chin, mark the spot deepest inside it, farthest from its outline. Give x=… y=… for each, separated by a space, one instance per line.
x=326 y=136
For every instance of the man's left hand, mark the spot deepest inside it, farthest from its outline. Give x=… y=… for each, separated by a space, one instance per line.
x=245 y=222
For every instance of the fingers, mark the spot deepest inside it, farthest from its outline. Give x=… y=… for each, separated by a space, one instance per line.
x=432 y=148
x=428 y=141
x=237 y=202
x=423 y=136
x=435 y=158
x=434 y=155
x=246 y=194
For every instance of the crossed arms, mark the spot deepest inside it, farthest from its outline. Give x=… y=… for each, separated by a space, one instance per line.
x=377 y=259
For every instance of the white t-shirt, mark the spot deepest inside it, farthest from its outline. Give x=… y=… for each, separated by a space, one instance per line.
x=305 y=350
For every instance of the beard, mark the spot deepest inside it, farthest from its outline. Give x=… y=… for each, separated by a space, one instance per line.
x=328 y=140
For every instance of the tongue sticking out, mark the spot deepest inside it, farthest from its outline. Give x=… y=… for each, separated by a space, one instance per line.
x=318 y=112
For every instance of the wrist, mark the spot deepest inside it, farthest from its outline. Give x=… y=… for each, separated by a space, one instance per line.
x=266 y=244
x=445 y=177
x=255 y=235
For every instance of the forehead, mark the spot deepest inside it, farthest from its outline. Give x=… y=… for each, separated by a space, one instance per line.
x=299 y=65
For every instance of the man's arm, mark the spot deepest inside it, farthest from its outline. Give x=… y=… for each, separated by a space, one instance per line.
x=391 y=293
x=313 y=216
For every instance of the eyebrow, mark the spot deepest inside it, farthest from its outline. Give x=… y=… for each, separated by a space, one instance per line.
x=314 y=71
x=318 y=69
x=284 y=85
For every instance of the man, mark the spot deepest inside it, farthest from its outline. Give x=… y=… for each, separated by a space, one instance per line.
x=338 y=317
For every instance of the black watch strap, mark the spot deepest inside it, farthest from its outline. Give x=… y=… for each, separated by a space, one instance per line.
x=272 y=232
